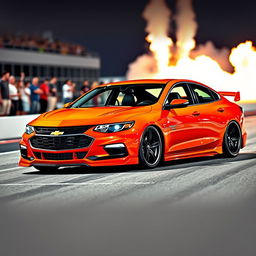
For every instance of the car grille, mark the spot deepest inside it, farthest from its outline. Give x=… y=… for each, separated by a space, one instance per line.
x=66 y=130
x=60 y=142
x=58 y=156
x=38 y=155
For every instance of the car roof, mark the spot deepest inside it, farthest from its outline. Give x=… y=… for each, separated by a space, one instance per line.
x=141 y=81
x=149 y=81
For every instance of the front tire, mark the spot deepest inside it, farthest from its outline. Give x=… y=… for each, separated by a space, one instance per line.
x=232 y=140
x=151 y=148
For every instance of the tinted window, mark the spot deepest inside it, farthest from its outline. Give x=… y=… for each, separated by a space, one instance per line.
x=180 y=91
x=124 y=95
x=215 y=95
x=202 y=94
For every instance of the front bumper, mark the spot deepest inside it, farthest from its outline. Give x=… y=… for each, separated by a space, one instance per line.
x=107 y=149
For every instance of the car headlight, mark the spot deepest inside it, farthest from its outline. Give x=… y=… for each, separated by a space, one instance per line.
x=116 y=127
x=29 y=129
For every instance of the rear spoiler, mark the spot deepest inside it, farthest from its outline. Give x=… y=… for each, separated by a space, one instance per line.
x=236 y=95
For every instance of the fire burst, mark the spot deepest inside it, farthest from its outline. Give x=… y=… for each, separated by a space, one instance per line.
x=221 y=69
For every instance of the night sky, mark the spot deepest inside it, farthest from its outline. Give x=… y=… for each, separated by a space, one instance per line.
x=115 y=29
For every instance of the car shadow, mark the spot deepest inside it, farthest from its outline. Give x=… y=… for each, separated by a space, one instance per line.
x=217 y=160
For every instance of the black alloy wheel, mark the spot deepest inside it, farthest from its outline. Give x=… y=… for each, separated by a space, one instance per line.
x=151 y=148
x=232 y=140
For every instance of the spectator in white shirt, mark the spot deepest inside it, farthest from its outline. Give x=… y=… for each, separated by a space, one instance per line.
x=14 y=95
x=25 y=97
x=68 y=91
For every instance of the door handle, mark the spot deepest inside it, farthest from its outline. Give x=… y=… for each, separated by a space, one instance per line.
x=221 y=110
x=196 y=113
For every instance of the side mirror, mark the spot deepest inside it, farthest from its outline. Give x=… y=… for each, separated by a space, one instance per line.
x=67 y=105
x=177 y=103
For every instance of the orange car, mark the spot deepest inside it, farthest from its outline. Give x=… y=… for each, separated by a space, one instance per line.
x=136 y=122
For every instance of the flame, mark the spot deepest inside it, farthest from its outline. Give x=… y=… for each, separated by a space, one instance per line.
x=233 y=70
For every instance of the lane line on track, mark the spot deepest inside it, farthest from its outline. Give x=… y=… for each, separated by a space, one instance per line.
x=10 y=169
x=9 y=152
x=77 y=184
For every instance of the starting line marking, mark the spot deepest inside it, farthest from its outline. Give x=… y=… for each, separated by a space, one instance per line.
x=77 y=184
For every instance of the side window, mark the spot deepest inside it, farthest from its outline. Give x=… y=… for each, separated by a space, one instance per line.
x=99 y=100
x=203 y=94
x=180 y=91
x=215 y=95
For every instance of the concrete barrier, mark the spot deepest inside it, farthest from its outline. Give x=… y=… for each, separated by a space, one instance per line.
x=14 y=126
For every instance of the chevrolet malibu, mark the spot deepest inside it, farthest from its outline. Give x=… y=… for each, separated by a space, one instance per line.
x=136 y=122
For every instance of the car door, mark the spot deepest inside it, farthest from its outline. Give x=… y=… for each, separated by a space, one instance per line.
x=183 y=124
x=210 y=114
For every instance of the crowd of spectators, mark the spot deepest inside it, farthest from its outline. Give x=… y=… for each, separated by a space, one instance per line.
x=20 y=97
x=41 y=44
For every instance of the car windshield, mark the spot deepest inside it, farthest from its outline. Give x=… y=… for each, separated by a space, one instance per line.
x=124 y=95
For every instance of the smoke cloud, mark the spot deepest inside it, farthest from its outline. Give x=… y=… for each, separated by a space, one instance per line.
x=159 y=17
x=219 y=55
x=186 y=28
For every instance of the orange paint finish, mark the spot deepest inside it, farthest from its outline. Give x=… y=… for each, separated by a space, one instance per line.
x=195 y=130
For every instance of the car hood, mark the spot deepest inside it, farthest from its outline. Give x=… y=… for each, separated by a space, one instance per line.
x=89 y=116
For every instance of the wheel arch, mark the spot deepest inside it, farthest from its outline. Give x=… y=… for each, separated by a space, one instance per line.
x=234 y=121
x=161 y=134
x=240 y=129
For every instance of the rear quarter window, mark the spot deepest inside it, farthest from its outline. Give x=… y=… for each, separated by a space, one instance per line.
x=203 y=94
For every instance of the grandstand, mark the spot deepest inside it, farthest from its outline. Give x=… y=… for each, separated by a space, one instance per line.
x=47 y=59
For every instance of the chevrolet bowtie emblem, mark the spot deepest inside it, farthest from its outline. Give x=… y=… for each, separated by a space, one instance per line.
x=57 y=133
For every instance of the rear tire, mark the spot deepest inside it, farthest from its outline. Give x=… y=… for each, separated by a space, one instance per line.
x=46 y=169
x=151 y=148
x=232 y=140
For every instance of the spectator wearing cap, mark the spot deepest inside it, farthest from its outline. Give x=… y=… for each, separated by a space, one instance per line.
x=5 y=102
x=35 y=95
